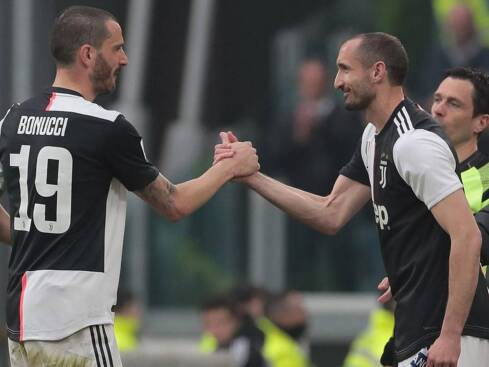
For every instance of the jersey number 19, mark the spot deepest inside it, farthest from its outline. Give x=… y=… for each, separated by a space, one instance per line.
x=62 y=189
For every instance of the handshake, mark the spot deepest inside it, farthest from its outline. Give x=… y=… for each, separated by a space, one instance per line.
x=240 y=156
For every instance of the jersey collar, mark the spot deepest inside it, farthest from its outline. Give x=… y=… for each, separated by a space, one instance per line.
x=64 y=91
x=477 y=159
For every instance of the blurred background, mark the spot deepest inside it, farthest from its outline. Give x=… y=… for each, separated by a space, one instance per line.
x=263 y=69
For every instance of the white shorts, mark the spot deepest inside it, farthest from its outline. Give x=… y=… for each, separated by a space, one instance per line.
x=474 y=352
x=93 y=346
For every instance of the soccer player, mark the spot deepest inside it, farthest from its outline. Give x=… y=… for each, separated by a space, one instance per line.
x=429 y=239
x=68 y=164
x=461 y=107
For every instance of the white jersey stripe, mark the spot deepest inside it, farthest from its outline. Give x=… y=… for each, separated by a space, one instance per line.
x=403 y=122
x=107 y=346
x=94 y=345
x=76 y=104
x=408 y=119
x=399 y=130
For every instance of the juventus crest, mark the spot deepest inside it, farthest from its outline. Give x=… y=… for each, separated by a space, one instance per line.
x=383 y=173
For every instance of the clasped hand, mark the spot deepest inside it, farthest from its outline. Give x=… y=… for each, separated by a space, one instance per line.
x=242 y=154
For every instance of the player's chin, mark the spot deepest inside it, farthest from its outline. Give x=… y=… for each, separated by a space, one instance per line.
x=349 y=104
x=112 y=85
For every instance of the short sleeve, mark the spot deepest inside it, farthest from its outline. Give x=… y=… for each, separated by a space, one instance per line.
x=426 y=163
x=126 y=157
x=355 y=168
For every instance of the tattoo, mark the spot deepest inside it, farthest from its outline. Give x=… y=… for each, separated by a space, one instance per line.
x=168 y=200
x=160 y=194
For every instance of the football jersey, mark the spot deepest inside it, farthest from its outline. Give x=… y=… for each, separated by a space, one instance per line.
x=410 y=167
x=68 y=164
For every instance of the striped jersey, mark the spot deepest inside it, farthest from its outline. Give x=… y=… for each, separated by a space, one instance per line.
x=68 y=164
x=410 y=166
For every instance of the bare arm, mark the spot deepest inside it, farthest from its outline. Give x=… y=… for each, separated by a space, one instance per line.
x=454 y=216
x=326 y=214
x=4 y=226
x=178 y=201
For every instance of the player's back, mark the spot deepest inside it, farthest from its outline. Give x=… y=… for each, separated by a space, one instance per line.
x=67 y=209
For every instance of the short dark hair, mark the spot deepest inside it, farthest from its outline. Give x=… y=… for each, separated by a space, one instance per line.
x=220 y=301
x=76 y=26
x=378 y=46
x=245 y=293
x=480 y=82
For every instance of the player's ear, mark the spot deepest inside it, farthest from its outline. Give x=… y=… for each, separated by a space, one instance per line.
x=482 y=122
x=87 y=55
x=379 y=71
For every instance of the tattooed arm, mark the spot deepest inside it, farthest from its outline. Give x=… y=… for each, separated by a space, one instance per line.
x=177 y=201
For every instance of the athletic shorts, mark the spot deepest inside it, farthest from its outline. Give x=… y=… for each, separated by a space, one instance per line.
x=474 y=352
x=93 y=346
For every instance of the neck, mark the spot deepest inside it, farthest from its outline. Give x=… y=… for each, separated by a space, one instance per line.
x=381 y=108
x=466 y=149
x=71 y=79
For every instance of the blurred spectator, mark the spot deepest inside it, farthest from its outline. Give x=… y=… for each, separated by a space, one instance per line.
x=320 y=135
x=250 y=300
x=367 y=348
x=460 y=46
x=285 y=328
x=127 y=321
x=225 y=331
x=309 y=148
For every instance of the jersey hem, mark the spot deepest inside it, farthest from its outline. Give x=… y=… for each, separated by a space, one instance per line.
x=427 y=340
x=58 y=334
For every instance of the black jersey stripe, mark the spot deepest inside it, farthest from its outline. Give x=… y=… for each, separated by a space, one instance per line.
x=400 y=131
x=101 y=345
x=94 y=347
x=402 y=120
x=408 y=119
x=107 y=347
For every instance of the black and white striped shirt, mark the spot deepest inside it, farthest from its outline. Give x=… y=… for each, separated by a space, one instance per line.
x=68 y=164
x=410 y=167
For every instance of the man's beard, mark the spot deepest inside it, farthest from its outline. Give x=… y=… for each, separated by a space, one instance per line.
x=360 y=103
x=102 y=76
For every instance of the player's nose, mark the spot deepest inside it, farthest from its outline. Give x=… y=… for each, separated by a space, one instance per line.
x=437 y=109
x=338 y=81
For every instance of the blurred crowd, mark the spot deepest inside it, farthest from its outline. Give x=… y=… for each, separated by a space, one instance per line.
x=257 y=327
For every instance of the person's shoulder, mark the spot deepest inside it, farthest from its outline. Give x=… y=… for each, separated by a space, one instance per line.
x=418 y=117
x=11 y=111
x=65 y=102
x=422 y=145
x=95 y=110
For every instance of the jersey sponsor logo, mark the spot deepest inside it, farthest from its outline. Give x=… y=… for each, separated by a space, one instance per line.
x=383 y=174
x=381 y=216
x=42 y=125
